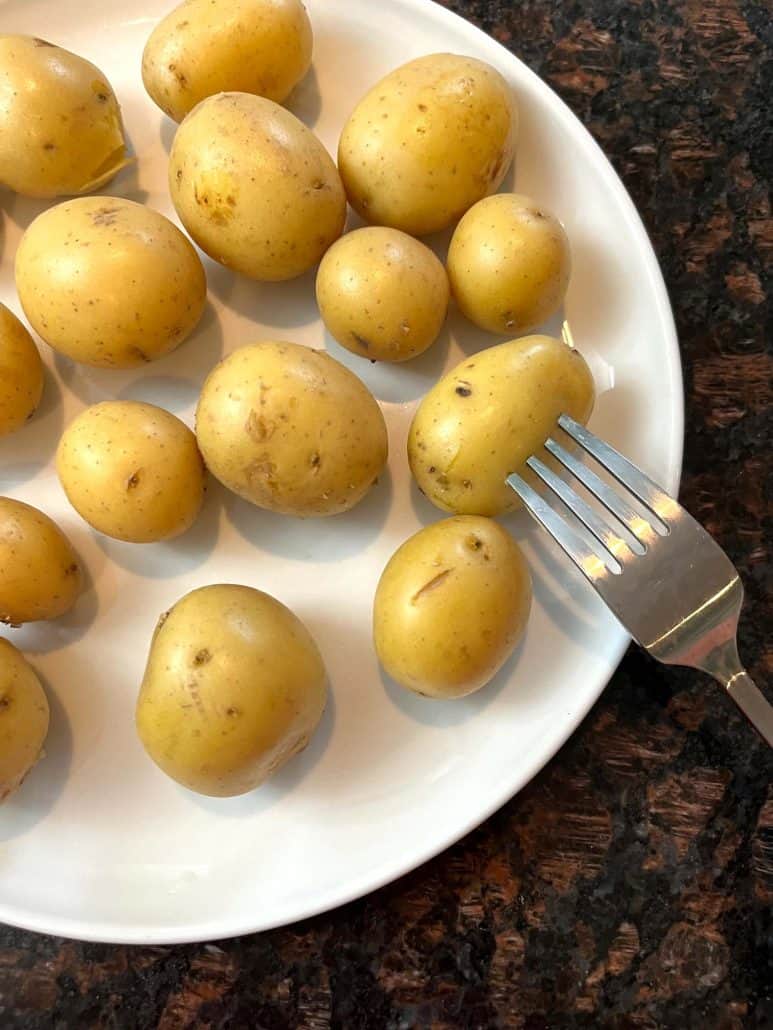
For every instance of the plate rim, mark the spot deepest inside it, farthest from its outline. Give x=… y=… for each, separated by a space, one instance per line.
x=373 y=880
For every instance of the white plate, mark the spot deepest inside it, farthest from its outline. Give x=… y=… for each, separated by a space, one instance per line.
x=99 y=844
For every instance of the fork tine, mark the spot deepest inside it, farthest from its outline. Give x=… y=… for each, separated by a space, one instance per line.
x=648 y=492
x=632 y=520
x=583 y=557
x=617 y=548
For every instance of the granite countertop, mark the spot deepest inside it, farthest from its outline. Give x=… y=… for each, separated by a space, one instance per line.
x=630 y=884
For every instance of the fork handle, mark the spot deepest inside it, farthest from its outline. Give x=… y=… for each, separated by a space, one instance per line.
x=752 y=702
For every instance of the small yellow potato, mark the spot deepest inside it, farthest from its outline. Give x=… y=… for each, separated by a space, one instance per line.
x=234 y=687
x=132 y=471
x=108 y=282
x=203 y=47
x=254 y=187
x=428 y=141
x=21 y=373
x=450 y=607
x=40 y=573
x=24 y=717
x=488 y=415
x=509 y=264
x=382 y=294
x=60 y=123
x=290 y=429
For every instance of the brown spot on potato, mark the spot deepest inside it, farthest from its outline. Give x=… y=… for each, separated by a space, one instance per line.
x=315 y=461
x=72 y=570
x=202 y=657
x=464 y=389
x=361 y=341
x=474 y=542
x=259 y=427
x=105 y=215
x=5 y=702
x=133 y=481
x=431 y=584
x=162 y=619
x=49 y=146
x=233 y=711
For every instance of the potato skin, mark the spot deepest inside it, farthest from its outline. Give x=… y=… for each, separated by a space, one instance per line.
x=40 y=573
x=290 y=429
x=24 y=717
x=509 y=264
x=428 y=141
x=67 y=267
x=488 y=415
x=204 y=47
x=234 y=687
x=254 y=187
x=382 y=294
x=21 y=373
x=132 y=471
x=450 y=607
x=60 y=123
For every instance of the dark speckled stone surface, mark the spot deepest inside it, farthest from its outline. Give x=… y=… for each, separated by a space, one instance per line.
x=630 y=885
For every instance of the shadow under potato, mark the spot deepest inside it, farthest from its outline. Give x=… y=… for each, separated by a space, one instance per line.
x=334 y=537
x=25 y=453
x=282 y=783
x=290 y=304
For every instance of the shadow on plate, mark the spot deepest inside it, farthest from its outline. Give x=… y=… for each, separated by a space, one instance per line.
x=278 y=306
x=305 y=101
x=282 y=783
x=171 y=558
x=29 y=450
x=52 y=635
x=430 y=711
x=45 y=782
x=334 y=537
x=396 y=383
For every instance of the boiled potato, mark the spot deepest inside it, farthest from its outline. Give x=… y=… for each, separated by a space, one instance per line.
x=254 y=187
x=488 y=415
x=21 y=373
x=132 y=471
x=108 y=282
x=450 y=606
x=24 y=718
x=290 y=429
x=234 y=687
x=60 y=123
x=427 y=142
x=382 y=294
x=509 y=264
x=204 y=47
x=40 y=574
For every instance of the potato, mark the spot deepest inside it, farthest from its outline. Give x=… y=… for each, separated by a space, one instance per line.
x=450 y=606
x=108 y=282
x=488 y=415
x=132 y=471
x=60 y=123
x=21 y=373
x=254 y=187
x=204 y=47
x=509 y=264
x=427 y=142
x=382 y=294
x=24 y=716
x=290 y=429
x=40 y=573
x=234 y=687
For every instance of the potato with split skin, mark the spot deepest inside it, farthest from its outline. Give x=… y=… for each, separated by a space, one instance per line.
x=60 y=123
x=451 y=606
x=234 y=686
x=509 y=264
x=40 y=573
x=488 y=415
x=21 y=373
x=290 y=429
x=254 y=187
x=428 y=141
x=382 y=294
x=24 y=718
x=108 y=282
x=132 y=471
x=204 y=47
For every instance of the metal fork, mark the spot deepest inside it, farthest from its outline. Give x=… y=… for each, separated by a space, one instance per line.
x=670 y=585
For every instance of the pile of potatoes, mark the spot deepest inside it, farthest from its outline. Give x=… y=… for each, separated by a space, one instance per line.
x=234 y=684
